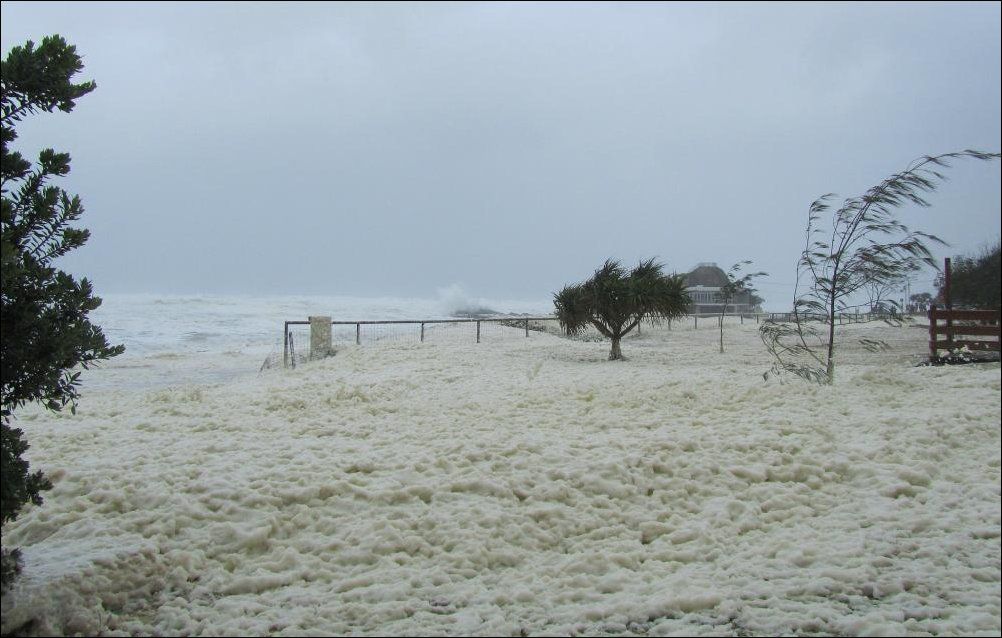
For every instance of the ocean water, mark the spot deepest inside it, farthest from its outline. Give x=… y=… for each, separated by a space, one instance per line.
x=186 y=339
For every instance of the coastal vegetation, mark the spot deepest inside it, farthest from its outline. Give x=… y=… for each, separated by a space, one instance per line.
x=737 y=284
x=46 y=331
x=861 y=243
x=615 y=301
x=975 y=280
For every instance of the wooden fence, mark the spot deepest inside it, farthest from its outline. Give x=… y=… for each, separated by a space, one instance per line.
x=962 y=323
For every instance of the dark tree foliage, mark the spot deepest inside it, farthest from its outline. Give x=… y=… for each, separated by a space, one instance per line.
x=975 y=281
x=919 y=302
x=616 y=301
x=46 y=333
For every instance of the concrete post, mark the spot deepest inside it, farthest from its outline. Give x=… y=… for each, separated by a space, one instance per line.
x=320 y=337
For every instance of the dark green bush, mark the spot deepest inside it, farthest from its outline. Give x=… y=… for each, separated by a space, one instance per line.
x=46 y=333
x=976 y=280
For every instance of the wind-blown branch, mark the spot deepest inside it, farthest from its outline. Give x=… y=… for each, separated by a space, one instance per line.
x=866 y=245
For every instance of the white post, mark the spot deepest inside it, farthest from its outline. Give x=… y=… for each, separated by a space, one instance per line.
x=320 y=337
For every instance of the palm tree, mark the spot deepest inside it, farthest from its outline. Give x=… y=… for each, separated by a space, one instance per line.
x=615 y=302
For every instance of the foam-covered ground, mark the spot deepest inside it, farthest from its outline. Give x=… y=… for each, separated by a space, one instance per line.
x=526 y=486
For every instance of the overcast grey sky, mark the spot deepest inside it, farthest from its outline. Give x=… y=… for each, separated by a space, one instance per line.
x=393 y=149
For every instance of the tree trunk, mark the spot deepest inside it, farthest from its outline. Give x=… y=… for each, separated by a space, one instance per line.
x=721 y=322
x=616 y=353
x=830 y=367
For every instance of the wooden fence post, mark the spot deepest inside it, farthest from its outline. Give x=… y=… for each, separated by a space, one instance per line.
x=947 y=280
x=932 y=332
x=358 y=334
x=422 y=332
x=478 y=332
x=526 y=327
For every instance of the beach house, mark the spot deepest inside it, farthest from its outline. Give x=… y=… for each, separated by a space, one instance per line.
x=703 y=284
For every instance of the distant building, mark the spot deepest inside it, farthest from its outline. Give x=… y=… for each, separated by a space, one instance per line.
x=703 y=285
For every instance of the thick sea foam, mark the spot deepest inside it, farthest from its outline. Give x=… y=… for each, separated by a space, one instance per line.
x=182 y=339
x=520 y=486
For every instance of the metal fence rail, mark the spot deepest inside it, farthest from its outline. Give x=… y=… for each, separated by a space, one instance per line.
x=421 y=330
x=296 y=340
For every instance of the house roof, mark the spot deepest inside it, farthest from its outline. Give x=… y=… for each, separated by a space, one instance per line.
x=709 y=275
